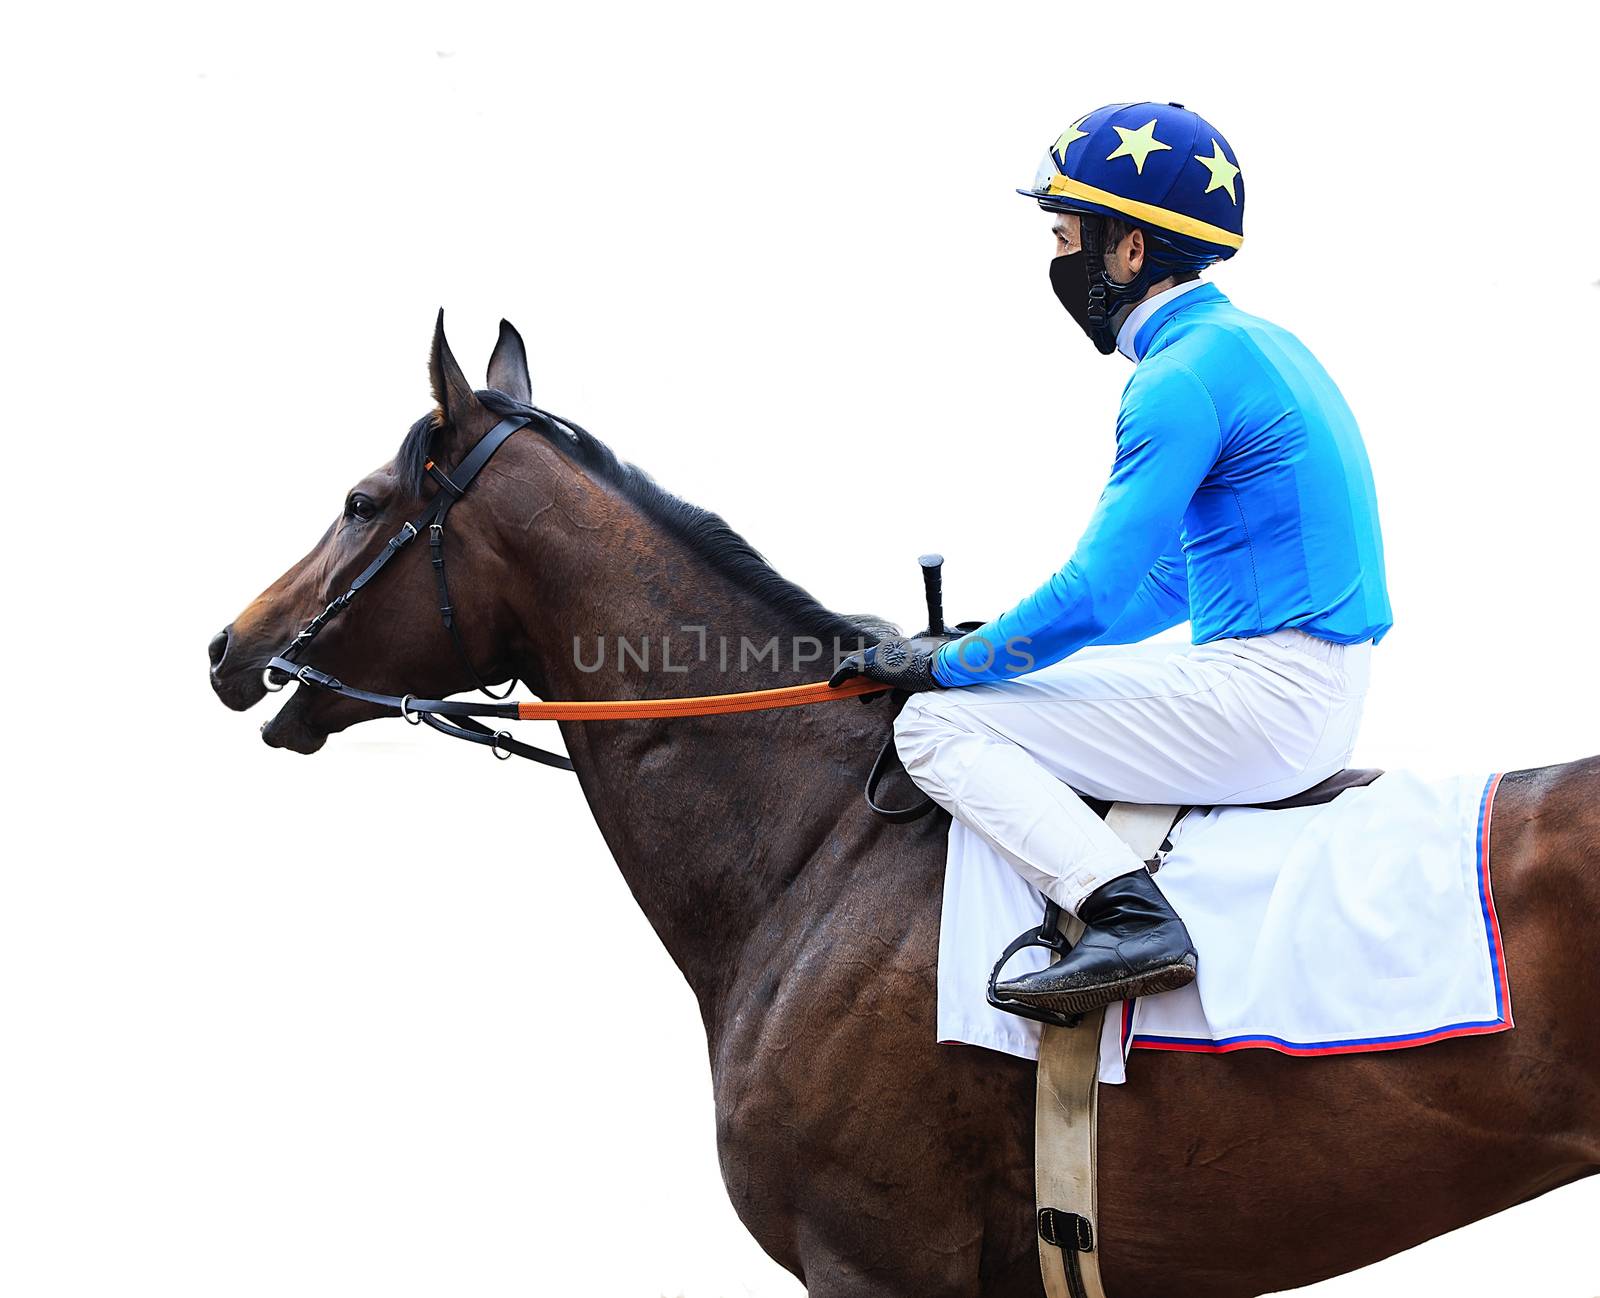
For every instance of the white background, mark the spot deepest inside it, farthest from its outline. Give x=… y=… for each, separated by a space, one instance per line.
x=273 y=1025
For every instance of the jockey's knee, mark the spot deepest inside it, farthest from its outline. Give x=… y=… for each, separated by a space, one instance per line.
x=924 y=722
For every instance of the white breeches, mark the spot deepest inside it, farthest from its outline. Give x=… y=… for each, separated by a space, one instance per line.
x=1248 y=720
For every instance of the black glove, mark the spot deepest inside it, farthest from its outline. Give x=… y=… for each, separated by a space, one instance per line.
x=906 y=664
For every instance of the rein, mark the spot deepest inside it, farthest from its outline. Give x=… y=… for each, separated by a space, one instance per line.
x=460 y=719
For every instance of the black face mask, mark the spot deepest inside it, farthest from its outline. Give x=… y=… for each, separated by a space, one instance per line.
x=1070 y=280
x=1100 y=309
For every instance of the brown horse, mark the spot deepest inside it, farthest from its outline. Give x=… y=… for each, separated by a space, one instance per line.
x=864 y=1157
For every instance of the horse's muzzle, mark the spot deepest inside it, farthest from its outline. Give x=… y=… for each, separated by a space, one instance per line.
x=235 y=673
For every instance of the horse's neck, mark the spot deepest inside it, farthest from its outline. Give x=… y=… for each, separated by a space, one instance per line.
x=711 y=820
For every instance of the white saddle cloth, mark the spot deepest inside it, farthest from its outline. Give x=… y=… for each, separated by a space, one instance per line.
x=1364 y=924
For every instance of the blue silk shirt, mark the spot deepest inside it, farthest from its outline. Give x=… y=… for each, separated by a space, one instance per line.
x=1240 y=500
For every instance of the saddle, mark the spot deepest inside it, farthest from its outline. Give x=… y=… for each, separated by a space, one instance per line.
x=1317 y=794
x=1147 y=828
x=1325 y=791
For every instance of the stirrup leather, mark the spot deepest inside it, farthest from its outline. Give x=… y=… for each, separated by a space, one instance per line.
x=1147 y=830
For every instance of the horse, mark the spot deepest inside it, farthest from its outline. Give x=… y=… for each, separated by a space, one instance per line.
x=864 y=1157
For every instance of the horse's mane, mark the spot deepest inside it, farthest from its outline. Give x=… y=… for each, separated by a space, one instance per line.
x=706 y=533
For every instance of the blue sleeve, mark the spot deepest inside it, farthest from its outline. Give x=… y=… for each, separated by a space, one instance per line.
x=1168 y=439
x=1162 y=601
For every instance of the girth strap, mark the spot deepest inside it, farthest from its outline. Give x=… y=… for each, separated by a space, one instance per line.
x=1066 y=1111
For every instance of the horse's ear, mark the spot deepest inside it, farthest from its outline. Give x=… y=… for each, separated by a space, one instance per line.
x=451 y=391
x=508 y=367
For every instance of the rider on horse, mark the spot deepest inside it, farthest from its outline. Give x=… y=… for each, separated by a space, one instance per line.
x=1240 y=500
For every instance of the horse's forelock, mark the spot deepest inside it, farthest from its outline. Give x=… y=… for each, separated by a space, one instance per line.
x=416 y=450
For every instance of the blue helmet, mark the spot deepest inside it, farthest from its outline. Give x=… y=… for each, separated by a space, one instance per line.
x=1157 y=166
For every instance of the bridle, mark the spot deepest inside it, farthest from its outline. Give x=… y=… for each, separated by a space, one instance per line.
x=459 y=719
x=456 y=719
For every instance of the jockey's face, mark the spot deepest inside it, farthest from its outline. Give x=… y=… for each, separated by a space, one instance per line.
x=1067 y=229
x=1121 y=263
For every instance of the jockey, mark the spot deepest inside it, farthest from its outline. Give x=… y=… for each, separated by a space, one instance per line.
x=1240 y=500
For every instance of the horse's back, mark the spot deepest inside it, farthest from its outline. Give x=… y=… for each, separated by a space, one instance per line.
x=1383 y=1150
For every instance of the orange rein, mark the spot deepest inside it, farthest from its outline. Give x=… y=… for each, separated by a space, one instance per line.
x=707 y=705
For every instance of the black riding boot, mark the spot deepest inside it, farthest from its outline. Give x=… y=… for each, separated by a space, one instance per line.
x=1134 y=945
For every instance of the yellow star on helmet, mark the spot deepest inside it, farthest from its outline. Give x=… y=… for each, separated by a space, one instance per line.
x=1137 y=145
x=1067 y=137
x=1223 y=172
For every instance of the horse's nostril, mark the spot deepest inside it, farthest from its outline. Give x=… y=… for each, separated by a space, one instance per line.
x=218 y=648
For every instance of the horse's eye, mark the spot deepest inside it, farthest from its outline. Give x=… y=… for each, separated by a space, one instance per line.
x=360 y=507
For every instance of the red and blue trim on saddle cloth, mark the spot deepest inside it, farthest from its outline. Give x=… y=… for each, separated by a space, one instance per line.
x=1502 y=1021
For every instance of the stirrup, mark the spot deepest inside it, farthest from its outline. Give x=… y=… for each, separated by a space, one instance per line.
x=1049 y=936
